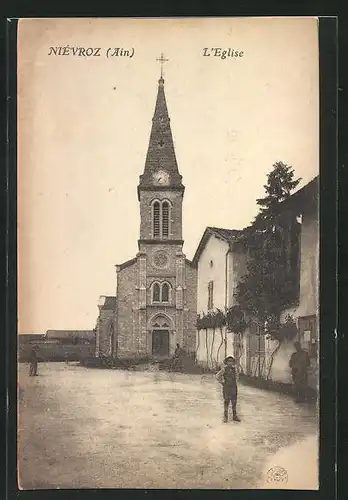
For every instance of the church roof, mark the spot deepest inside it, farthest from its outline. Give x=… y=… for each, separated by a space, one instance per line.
x=228 y=235
x=109 y=304
x=125 y=264
x=160 y=154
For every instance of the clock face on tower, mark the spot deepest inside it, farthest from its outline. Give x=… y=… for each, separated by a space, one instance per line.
x=161 y=177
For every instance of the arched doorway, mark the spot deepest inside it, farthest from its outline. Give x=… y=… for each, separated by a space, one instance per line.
x=160 y=327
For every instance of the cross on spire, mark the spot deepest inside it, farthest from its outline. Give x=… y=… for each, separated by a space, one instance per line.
x=162 y=60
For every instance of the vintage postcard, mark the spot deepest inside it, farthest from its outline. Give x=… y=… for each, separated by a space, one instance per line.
x=168 y=229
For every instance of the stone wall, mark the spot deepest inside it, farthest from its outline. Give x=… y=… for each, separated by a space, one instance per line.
x=190 y=308
x=127 y=320
x=105 y=321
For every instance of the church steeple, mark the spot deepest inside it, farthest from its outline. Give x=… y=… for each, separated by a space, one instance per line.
x=161 y=169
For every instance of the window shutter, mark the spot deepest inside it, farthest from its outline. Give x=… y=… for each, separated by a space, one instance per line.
x=165 y=219
x=156 y=219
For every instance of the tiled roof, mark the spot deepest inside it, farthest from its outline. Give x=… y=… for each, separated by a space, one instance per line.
x=228 y=235
x=225 y=234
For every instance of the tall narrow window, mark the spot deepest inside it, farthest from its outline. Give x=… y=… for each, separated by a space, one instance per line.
x=156 y=293
x=210 y=295
x=165 y=219
x=165 y=292
x=156 y=219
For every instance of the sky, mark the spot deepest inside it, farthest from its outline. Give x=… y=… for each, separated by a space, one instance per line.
x=84 y=126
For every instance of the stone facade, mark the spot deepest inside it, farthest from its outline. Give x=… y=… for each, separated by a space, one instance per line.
x=105 y=326
x=156 y=299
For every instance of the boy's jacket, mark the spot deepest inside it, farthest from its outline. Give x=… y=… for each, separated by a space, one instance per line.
x=221 y=376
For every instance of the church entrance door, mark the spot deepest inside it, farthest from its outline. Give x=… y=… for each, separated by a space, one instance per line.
x=160 y=343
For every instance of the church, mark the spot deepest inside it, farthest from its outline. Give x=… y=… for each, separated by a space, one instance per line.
x=156 y=298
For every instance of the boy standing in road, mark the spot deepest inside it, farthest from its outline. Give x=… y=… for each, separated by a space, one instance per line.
x=227 y=377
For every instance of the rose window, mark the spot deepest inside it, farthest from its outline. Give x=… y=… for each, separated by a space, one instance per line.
x=160 y=259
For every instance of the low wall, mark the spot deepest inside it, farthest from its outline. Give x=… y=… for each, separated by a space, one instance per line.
x=187 y=365
x=272 y=363
x=280 y=369
x=57 y=352
x=272 y=385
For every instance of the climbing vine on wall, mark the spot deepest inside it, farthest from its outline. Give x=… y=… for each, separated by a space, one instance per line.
x=235 y=320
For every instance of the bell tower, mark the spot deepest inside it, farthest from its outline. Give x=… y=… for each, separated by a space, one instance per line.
x=160 y=189
x=157 y=290
x=161 y=260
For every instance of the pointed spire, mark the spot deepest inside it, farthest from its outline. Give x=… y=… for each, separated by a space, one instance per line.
x=160 y=158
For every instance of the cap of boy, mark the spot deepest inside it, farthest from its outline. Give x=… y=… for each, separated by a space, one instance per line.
x=229 y=358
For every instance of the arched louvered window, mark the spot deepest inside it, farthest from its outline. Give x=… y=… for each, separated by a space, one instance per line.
x=165 y=292
x=156 y=219
x=165 y=219
x=156 y=293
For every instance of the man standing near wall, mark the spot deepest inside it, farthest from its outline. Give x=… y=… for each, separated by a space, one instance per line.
x=178 y=358
x=299 y=364
x=33 y=363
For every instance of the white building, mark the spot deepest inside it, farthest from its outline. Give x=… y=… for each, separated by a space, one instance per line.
x=221 y=259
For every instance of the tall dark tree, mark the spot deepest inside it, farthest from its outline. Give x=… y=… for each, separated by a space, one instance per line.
x=280 y=184
x=267 y=286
